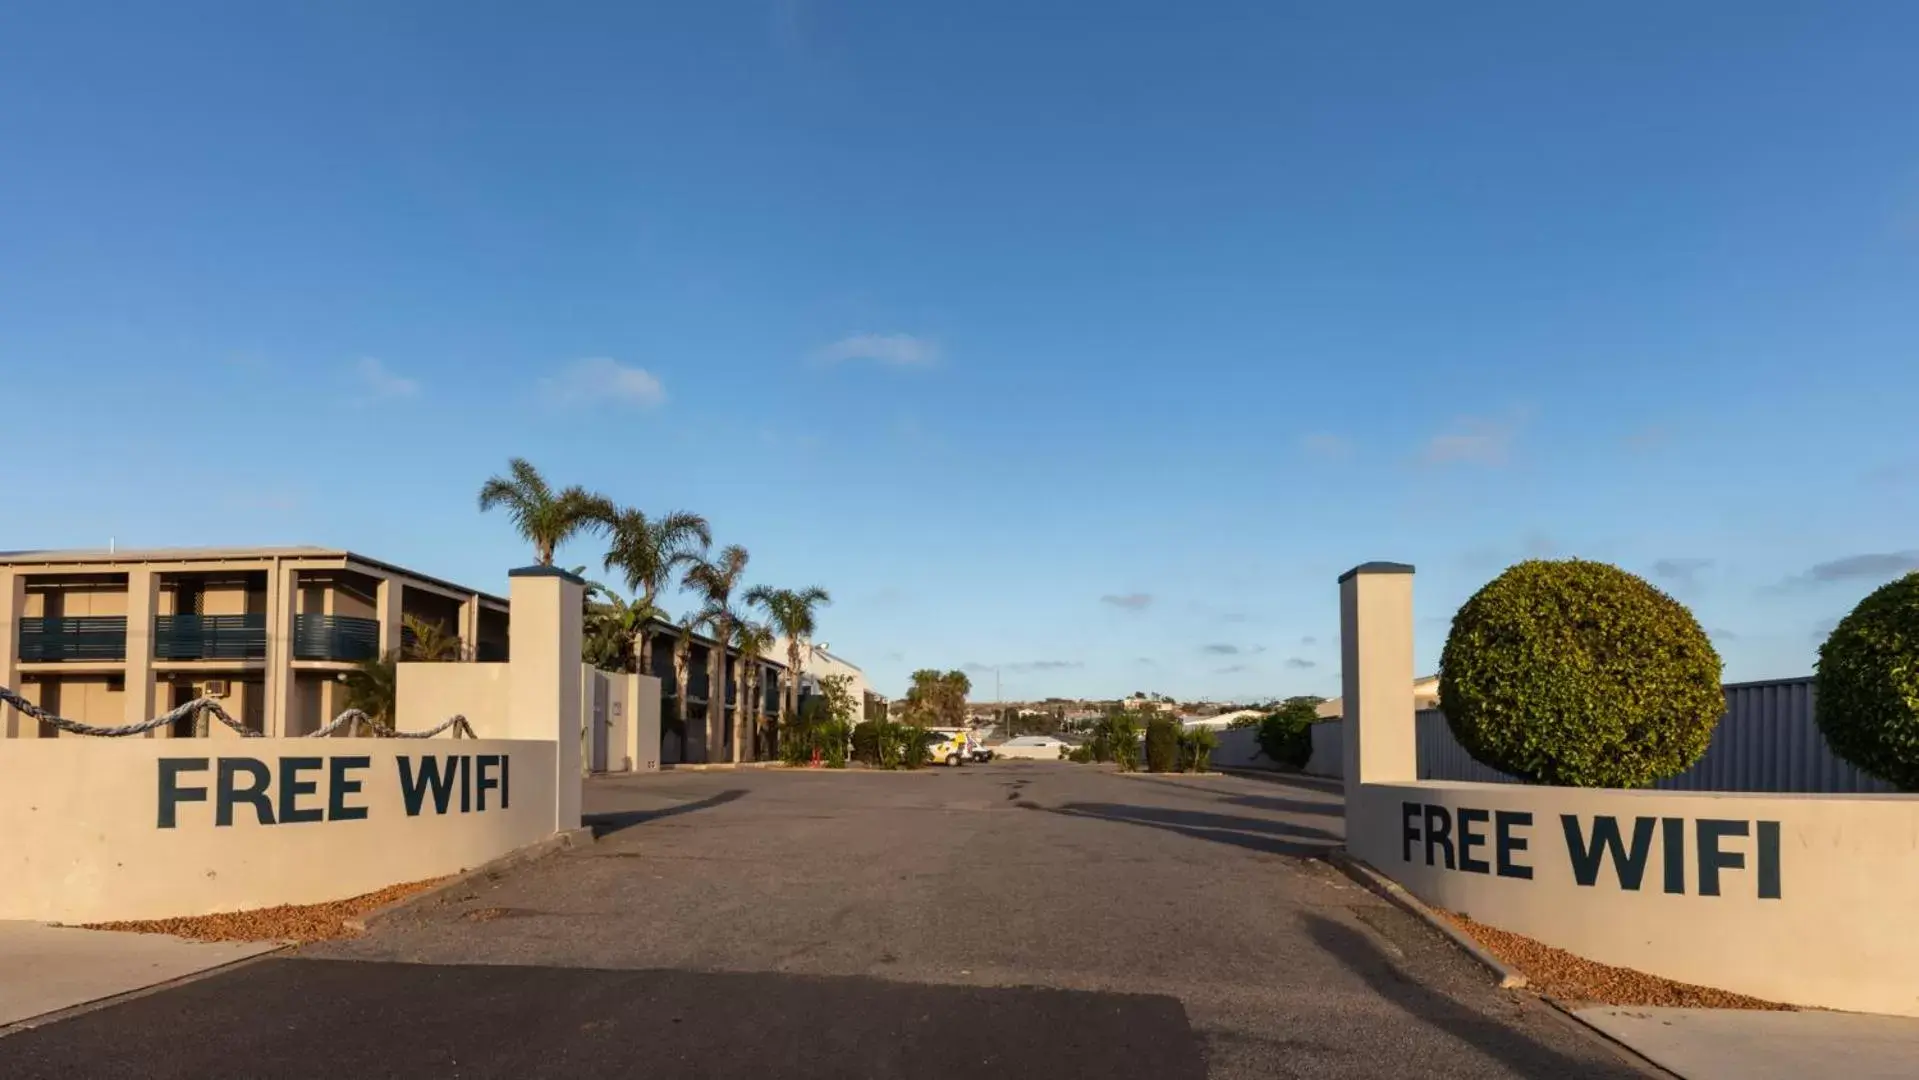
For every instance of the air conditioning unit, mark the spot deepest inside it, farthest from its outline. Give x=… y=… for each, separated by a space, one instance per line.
x=214 y=688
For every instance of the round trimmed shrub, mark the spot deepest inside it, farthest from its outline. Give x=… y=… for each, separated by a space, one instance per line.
x=1579 y=674
x=1867 y=685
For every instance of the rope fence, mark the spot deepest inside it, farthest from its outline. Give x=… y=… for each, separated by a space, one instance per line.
x=352 y=719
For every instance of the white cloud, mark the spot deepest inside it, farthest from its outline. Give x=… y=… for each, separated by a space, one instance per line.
x=891 y=350
x=382 y=383
x=1332 y=447
x=1474 y=441
x=602 y=380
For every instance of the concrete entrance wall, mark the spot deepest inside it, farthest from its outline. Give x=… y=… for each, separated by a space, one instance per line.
x=104 y=829
x=95 y=829
x=1804 y=899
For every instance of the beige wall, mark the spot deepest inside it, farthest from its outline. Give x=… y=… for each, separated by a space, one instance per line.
x=87 y=840
x=1804 y=899
x=1815 y=894
x=90 y=699
x=429 y=693
x=72 y=600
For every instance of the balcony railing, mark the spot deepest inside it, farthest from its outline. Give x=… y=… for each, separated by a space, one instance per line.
x=80 y=637
x=335 y=637
x=210 y=637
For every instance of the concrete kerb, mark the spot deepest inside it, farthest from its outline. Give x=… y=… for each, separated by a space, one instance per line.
x=560 y=841
x=1391 y=890
x=717 y=766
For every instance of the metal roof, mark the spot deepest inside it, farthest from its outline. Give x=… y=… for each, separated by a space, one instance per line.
x=223 y=554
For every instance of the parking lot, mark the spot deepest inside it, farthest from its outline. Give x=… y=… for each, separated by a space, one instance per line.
x=1000 y=920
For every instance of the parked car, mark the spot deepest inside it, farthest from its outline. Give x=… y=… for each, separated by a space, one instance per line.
x=1033 y=748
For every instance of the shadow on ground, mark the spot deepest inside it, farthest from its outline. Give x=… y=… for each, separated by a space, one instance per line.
x=1275 y=803
x=1328 y=784
x=614 y=821
x=329 y=1019
x=1258 y=834
x=1506 y=1044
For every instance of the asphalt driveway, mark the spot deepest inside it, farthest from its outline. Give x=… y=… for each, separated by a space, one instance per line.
x=1006 y=921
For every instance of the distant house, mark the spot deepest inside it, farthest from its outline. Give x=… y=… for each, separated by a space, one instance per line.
x=1221 y=721
x=1425 y=696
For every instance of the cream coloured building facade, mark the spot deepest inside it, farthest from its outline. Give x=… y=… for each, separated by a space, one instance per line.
x=119 y=637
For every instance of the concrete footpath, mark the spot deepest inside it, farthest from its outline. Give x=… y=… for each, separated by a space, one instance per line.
x=1738 y=1044
x=45 y=969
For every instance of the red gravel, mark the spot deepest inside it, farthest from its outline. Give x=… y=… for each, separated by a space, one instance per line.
x=287 y=922
x=1561 y=975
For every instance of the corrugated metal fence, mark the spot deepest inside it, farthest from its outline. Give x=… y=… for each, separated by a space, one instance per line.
x=1767 y=741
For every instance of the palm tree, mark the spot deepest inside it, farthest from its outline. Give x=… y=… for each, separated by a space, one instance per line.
x=430 y=642
x=611 y=624
x=372 y=687
x=753 y=640
x=543 y=518
x=714 y=583
x=650 y=551
x=794 y=613
x=682 y=657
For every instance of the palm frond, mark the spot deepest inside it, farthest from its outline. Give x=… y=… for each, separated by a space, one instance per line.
x=529 y=481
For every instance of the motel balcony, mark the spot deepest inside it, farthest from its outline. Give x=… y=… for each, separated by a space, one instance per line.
x=335 y=637
x=84 y=637
x=210 y=637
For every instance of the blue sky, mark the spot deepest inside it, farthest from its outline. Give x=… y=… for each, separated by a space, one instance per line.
x=1092 y=342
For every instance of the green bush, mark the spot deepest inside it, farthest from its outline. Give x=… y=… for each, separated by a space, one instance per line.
x=889 y=745
x=1116 y=739
x=1286 y=737
x=1196 y=746
x=1867 y=685
x=1081 y=754
x=866 y=741
x=1162 y=744
x=1580 y=674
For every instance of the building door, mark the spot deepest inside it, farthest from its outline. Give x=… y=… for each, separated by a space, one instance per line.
x=597 y=755
x=181 y=693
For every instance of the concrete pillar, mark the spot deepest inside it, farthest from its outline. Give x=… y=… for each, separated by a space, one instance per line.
x=469 y=628
x=643 y=722
x=143 y=589
x=389 y=603
x=1376 y=675
x=283 y=600
x=543 y=676
x=13 y=602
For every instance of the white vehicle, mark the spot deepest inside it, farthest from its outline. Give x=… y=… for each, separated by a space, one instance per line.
x=1032 y=747
x=947 y=745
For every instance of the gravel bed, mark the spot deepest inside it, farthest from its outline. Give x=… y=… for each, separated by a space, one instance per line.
x=1561 y=975
x=287 y=922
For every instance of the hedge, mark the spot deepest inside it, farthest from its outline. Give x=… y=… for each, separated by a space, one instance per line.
x=1162 y=745
x=1580 y=674
x=1867 y=685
